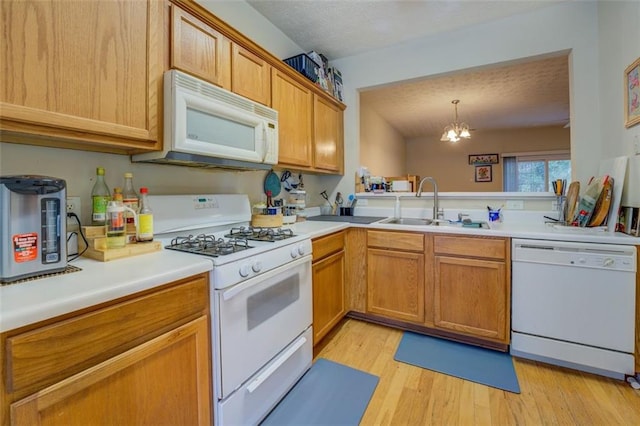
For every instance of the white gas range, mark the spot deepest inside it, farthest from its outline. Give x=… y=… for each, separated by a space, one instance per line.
x=261 y=307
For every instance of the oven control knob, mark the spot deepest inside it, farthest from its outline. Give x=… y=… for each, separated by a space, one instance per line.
x=294 y=252
x=301 y=250
x=257 y=266
x=245 y=270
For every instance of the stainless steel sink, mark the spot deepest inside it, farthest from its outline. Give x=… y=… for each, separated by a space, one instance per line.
x=431 y=222
x=408 y=221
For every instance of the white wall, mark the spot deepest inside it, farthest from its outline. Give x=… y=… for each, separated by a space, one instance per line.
x=569 y=26
x=244 y=18
x=619 y=24
x=385 y=153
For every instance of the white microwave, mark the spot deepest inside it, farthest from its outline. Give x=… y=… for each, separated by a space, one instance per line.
x=207 y=126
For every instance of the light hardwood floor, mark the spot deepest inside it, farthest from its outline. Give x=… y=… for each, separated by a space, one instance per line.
x=408 y=395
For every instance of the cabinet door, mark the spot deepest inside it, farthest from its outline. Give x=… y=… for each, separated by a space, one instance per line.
x=471 y=297
x=356 y=269
x=328 y=294
x=86 y=73
x=395 y=284
x=250 y=75
x=163 y=381
x=200 y=50
x=294 y=104
x=328 y=136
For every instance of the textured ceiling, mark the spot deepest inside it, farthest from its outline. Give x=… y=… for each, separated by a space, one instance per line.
x=527 y=94
x=504 y=96
x=339 y=28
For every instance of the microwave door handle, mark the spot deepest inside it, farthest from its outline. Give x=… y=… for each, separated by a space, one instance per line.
x=265 y=143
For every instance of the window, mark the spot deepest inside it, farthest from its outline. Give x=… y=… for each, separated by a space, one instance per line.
x=534 y=172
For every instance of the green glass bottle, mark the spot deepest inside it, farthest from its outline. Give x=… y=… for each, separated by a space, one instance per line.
x=100 y=196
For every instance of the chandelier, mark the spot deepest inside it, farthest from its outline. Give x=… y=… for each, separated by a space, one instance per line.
x=454 y=131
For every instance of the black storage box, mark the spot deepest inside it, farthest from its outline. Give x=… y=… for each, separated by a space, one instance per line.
x=304 y=65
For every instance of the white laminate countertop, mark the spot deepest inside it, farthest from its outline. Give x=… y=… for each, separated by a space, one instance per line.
x=537 y=231
x=32 y=301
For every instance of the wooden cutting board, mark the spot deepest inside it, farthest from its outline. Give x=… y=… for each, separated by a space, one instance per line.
x=572 y=201
x=601 y=209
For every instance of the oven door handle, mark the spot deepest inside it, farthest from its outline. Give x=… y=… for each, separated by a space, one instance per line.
x=273 y=367
x=235 y=290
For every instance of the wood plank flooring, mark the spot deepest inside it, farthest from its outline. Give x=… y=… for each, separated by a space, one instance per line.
x=408 y=395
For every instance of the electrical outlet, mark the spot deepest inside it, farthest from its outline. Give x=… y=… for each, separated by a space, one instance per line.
x=73 y=206
x=515 y=204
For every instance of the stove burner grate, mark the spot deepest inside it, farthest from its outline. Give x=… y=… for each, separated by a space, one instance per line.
x=208 y=245
x=254 y=233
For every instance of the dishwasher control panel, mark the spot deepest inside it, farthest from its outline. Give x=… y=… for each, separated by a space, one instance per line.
x=588 y=255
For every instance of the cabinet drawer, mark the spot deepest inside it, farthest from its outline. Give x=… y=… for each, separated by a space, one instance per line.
x=396 y=240
x=467 y=246
x=328 y=244
x=48 y=354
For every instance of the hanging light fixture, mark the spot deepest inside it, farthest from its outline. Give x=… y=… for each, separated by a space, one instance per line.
x=454 y=131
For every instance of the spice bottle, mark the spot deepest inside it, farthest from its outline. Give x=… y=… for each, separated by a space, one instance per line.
x=145 y=218
x=130 y=199
x=115 y=221
x=100 y=196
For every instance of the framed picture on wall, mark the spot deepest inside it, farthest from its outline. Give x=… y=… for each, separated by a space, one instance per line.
x=484 y=159
x=632 y=94
x=483 y=173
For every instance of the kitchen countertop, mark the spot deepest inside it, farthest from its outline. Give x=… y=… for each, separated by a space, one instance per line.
x=538 y=231
x=31 y=301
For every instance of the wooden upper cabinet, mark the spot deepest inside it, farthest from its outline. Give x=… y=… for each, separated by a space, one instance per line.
x=294 y=103
x=82 y=74
x=328 y=136
x=251 y=75
x=199 y=49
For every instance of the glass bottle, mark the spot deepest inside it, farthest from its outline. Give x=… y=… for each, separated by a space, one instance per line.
x=100 y=196
x=145 y=218
x=116 y=221
x=130 y=199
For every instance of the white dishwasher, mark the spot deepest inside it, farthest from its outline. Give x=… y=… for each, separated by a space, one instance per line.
x=573 y=304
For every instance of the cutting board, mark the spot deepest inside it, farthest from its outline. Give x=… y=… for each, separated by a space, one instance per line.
x=601 y=209
x=572 y=200
x=588 y=201
x=616 y=168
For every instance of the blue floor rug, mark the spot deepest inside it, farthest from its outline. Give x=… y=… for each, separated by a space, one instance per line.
x=328 y=394
x=467 y=362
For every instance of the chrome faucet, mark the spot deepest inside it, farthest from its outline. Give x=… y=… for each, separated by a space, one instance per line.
x=435 y=195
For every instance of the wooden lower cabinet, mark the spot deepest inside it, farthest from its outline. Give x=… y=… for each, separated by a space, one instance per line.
x=453 y=286
x=396 y=275
x=472 y=286
x=356 y=270
x=142 y=360
x=329 y=305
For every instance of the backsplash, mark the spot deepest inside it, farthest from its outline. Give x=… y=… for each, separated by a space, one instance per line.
x=78 y=168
